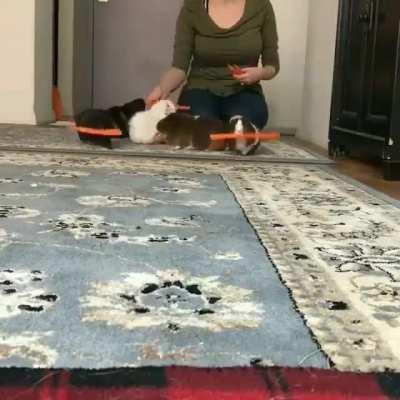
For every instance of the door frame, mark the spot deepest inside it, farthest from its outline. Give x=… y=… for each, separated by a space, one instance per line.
x=83 y=65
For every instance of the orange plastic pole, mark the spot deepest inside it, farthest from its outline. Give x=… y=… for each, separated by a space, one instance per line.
x=183 y=108
x=97 y=132
x=233 y=136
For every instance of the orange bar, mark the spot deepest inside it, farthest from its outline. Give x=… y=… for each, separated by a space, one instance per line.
x=233 y=136
x=183 y=108
x=57 y=104
x=98 y=132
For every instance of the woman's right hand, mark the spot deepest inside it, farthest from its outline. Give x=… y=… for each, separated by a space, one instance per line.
x=170 y=81
x=155 y=95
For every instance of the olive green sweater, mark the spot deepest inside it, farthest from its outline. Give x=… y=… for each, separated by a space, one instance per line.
x=203 y=50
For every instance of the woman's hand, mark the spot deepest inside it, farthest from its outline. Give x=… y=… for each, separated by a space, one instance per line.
x=155 y=95
x=170 y=81
x=249 y=76
x=252 y=75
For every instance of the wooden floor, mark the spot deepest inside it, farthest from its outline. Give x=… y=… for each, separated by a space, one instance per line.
x=366 y=172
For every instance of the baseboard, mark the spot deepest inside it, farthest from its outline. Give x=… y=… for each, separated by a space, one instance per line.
x=391 y=170
x=284 y=130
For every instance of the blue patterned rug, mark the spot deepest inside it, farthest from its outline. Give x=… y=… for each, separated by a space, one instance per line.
x=105 y=269
x=139 y=262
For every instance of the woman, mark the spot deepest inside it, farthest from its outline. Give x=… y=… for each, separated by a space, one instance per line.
x=210 y=36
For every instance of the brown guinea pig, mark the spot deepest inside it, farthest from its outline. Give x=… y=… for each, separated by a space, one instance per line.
x=183 y=130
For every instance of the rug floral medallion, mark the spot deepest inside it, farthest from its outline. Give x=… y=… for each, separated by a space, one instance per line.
x=108 y=262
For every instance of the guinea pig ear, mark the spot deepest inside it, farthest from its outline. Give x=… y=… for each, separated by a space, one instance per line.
x=164 y=124
x=133 y=107
x=168 y=124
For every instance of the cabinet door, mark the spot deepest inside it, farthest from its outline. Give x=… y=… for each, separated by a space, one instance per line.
x=351 y=63
x=381 y=67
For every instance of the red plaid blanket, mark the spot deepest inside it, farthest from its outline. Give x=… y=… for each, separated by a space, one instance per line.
x=195 y=384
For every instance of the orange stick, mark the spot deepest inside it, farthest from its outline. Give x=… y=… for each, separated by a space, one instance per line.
x=233 y=136
x=57 y=103
x=97 y=132
x=235 y=70
x=183 y=108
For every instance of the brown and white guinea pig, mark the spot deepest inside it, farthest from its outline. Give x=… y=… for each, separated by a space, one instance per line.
x=186 y=131
x=183 y=131
x=143 y=125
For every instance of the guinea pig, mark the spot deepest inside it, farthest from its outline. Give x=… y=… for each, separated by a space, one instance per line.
x=113 y=118
x=143 y=125
x=240 y=125
x=123 y=114
x=186 y=131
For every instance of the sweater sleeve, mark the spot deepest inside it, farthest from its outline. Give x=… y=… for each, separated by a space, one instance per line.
x=184 y=41
x=270 y=55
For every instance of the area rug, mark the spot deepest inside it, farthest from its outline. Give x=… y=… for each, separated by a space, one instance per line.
x=197 y=384
x=135 y=262
x=107 y=269
x=16 y=137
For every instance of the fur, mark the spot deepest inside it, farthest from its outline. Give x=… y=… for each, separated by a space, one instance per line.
x=112 y=118
x=185 y=131
x=245 y=147
x=143 y=125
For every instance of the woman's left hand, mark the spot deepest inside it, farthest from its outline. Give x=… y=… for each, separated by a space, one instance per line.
x=249 y=76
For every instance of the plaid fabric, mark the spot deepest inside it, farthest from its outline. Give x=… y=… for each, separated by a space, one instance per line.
x=195 y=384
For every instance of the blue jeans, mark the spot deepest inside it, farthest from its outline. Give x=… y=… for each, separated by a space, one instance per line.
x=247 y=103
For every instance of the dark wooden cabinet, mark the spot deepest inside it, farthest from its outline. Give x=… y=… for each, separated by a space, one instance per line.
x=365 y=118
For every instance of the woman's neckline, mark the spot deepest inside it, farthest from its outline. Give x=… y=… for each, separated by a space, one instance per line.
x=245 y=8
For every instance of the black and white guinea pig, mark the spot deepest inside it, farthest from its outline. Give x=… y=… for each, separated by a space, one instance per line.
x=103 y=119
x=240 y=125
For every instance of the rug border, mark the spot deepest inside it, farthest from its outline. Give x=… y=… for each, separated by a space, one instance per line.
x=300 y=293
x=364 y=187
x=159 y=155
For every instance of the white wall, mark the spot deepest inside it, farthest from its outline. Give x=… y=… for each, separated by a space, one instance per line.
x=65 y=54
x=320 y=55
x=285 y=92
x=17 y=27
x=25 y=83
